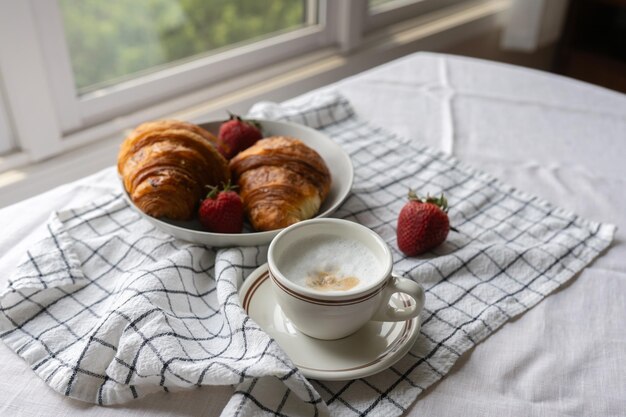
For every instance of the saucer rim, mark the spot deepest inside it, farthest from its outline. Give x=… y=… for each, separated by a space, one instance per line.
x=389 y=356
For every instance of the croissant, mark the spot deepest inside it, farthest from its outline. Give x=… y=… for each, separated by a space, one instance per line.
x=281 y=181
x=166 y=166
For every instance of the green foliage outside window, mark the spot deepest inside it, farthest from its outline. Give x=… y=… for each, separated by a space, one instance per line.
x=116 y=39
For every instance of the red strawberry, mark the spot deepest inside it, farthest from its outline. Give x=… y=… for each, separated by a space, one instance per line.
x=222 y=211
x=422 y=224
x=237 y=134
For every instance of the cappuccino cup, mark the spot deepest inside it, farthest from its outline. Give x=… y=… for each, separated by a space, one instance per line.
x=332 y=276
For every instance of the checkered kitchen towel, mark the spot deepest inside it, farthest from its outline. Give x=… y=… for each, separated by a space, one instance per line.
x=107 y=308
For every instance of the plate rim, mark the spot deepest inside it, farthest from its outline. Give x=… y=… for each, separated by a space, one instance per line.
x=252 y=238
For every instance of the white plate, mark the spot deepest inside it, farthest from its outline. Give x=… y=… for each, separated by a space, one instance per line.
x=336 y=159
x=372 y=349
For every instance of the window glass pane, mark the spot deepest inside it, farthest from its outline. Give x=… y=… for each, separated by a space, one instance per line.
x=113 y=40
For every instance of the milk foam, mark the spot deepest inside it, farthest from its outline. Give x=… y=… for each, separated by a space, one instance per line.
x=330 y=254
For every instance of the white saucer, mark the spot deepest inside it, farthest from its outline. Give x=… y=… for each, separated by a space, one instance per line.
x=373 y=348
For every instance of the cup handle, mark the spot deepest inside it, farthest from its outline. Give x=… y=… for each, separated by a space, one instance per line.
x=387 y=312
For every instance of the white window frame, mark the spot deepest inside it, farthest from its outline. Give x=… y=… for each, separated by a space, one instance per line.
x=393 y=12
x=49 y=117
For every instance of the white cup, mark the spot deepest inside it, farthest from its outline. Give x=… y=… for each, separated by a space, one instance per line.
x=336 y=314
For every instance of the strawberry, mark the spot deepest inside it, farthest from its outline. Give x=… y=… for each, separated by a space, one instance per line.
x=222 y=211
x=423 y=224
x=237 y=134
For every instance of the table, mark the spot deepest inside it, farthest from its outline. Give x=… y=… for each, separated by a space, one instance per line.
x=559 y=139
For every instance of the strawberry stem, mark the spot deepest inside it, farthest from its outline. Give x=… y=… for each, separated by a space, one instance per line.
x=255 y=123
x=413 y=196
x=441 y=201
x=214 y=190
x=228 y=186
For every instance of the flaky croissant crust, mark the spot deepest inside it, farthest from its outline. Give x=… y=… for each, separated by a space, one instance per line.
x=166 y=166
x=286 y=152
x=281 y=181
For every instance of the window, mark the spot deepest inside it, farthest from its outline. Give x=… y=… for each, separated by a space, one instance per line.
x=171 y=47
x=75 y=70
x=135 y=38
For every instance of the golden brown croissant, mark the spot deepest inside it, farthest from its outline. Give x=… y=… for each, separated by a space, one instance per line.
x=281 y=181
x=167 y=165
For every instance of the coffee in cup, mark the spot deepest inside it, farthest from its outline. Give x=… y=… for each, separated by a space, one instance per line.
x=329 y=263
x=332 y=276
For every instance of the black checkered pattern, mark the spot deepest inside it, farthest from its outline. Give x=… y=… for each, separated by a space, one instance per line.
x=107 y=308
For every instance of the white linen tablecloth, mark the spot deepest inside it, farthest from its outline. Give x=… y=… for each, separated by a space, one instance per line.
x=553 y=137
